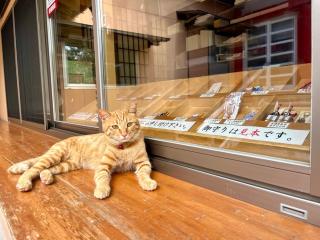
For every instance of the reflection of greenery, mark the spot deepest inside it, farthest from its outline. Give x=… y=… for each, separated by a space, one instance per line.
x=80 y=64
x=79 y=53
x=80 y=72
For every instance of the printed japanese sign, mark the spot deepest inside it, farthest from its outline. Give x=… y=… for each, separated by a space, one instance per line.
x=166 y=124
x=234 y=122
x=286 y=136
x=278 y=125
x=212 y=120
x=213 y=90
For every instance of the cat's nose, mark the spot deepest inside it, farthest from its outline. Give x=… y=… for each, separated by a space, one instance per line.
x=124 y=134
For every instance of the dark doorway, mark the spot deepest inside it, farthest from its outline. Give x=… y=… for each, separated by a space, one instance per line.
x=25 y=15
x=9 y=63
x=22 y=71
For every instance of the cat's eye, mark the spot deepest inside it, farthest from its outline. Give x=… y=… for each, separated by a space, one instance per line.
x=115 y=126
x=129 y=124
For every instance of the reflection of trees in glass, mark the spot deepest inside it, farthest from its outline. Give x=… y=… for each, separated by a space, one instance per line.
x=75 y=53
x=80 y=65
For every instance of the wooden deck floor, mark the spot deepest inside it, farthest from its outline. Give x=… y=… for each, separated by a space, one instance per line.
x=177 y=210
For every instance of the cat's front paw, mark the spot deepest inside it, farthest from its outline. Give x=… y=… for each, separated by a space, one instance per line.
x=24 y=185
x=102 y=192
x=18 y=168
x=148 y=184
x=46 y=177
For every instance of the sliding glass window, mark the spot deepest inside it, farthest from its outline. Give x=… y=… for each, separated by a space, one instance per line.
x=227 y=74
x=75 y=95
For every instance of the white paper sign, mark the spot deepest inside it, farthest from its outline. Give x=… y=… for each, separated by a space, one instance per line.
x=166 y=124
x=260 y=93
x=286 y=136
x=207 y=95
x=215 y=87
x=234 y=122
x=304 y=91
x=80 y=116
x=212 y=120
x=149 y=117
x=180 y=119
x=278 y=125
x=148 y=98
x=175 y=97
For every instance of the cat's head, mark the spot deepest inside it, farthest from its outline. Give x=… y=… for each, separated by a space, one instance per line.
x=122 y=125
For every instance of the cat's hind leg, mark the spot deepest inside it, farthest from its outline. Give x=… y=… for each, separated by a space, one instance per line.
x=21 y=167
x=52 y=157
x=46 y=175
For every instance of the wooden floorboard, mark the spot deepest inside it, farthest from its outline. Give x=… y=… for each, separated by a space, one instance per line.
x=177 y=210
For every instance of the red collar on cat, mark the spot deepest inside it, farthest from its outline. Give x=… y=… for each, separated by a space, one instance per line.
x=120 y=146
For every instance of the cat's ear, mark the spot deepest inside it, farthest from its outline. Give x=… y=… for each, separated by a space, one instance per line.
x=133 y=108
x=103 y=114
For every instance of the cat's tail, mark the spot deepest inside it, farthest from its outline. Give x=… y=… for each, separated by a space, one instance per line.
x=21 y=167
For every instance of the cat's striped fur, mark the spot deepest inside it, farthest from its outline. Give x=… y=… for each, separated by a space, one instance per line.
x=119 y=148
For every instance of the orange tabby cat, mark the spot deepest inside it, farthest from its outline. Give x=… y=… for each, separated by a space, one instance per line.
x=119 y=148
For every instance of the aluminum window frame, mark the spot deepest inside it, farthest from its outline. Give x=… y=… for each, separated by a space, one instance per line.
x=53 y=87
x=268 y=45
x=315 y=99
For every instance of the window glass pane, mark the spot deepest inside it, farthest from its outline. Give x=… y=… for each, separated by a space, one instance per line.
x=74 y=56
x=284 y=58
x=131 y=56
x=120 y=55
x=256 y=41
x=257 y=52
x=282 y=25
x=220 y=74
x=121 y=70
x=128 y=81
x=127 y=70
x=130 y=40
x=259 y=30
x=125 y=42
x=122 y=81
x=119 y=40
x=136 y=43
x=145 y=44
x=141 y=58
x=283 y=47
x=141 y=47
x=259 y=62
x=126 y=56
x=132 y=71
x=278 y=37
